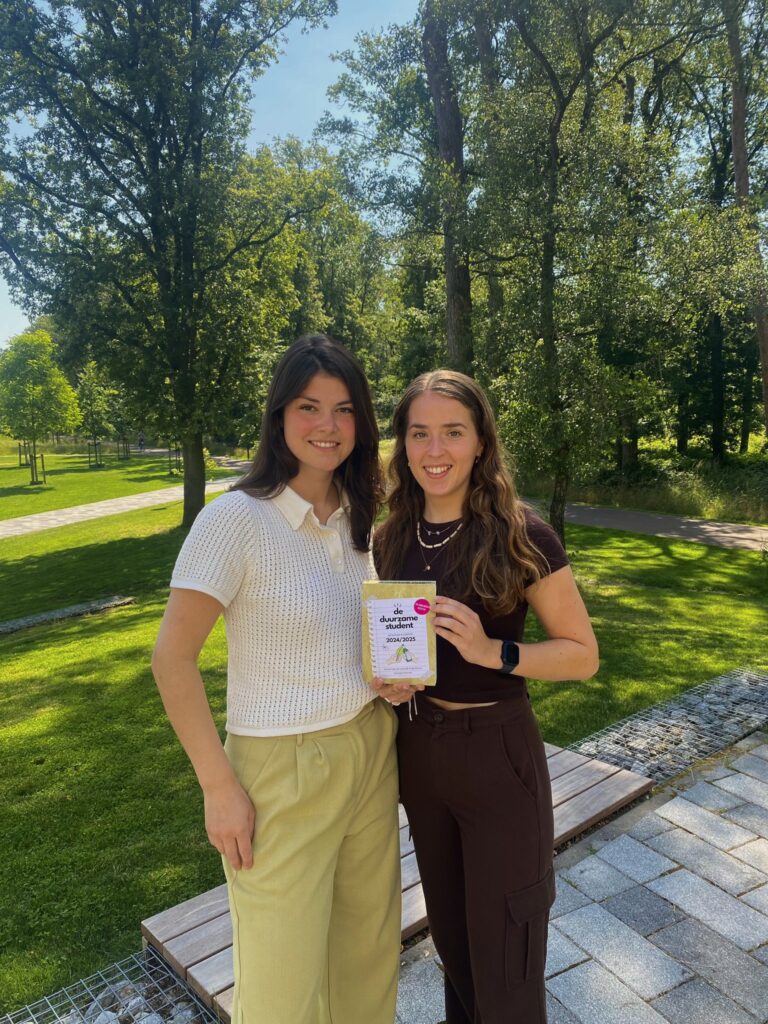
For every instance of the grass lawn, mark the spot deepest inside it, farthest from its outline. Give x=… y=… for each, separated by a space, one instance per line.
x=71 y=482
x=102 y=816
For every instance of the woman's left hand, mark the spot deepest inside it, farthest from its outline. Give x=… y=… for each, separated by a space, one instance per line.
x=459 y=625
x=394 y=693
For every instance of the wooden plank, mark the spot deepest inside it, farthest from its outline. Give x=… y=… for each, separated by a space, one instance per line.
x=409 y=871
x=414 y=911
x=211 y=976
x=402 y=816
x=222 y=1004
x=564 y=761
x=551 y=750
x=406 y=842
x=584 y=777
x=165 y=925
x=198 y=943
x=598 y=802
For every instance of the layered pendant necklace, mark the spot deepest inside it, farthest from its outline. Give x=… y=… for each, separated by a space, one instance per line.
x=438 y=547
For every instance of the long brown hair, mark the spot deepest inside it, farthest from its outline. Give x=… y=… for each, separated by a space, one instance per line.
x=491 y=558
x=274 y=464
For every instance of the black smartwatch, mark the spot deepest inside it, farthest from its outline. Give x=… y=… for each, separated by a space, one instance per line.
x=510 y=655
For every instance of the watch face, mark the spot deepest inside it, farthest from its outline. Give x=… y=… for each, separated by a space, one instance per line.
x=510 y=653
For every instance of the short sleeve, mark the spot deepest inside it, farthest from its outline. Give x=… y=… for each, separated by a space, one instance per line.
x=547 y=542
x=212 y=558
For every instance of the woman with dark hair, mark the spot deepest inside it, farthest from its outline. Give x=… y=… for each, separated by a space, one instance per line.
x=473 y=770
x=301 y=801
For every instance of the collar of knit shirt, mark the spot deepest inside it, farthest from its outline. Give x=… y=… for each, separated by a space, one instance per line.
x=295 y=508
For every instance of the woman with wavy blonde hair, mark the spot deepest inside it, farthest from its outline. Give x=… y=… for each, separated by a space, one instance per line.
x=473 y=770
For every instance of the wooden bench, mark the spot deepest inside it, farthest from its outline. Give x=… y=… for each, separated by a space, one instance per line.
x=195 y=937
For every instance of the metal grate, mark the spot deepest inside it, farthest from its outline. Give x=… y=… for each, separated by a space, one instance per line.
x=139 y=990
x=666 y=739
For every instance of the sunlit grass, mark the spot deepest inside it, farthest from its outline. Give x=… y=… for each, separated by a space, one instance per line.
x=70 y=481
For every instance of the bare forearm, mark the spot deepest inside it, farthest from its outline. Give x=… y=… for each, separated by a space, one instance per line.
x=555 y=659
x=183 y=695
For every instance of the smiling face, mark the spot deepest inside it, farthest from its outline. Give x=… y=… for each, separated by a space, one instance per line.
x=441 y=444
x=319 y=425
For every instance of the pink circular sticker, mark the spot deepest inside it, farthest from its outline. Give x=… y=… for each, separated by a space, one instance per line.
x=422 y=606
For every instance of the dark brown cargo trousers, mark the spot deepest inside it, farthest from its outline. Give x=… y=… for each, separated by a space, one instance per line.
x=476 y=789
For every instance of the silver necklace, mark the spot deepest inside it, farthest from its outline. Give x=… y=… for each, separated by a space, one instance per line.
x=440 y=545
x=434 y=531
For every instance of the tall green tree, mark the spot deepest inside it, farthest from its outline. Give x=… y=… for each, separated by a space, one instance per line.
x=127 y=196
x=95 y=396
x=35 y=397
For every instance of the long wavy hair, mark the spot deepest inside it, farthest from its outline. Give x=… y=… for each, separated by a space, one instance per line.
x=274 y=465
x=492 y=558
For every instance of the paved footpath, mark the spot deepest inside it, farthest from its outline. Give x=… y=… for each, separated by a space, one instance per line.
x=702 y=531
x=661 y=916
x=96 y=509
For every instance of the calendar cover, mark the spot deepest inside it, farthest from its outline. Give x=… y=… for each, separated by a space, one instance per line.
x=398 y=636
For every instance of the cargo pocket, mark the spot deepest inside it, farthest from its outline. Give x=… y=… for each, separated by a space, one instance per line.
x=526 y=933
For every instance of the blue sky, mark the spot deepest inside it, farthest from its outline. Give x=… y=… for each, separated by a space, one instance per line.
x=290 y=98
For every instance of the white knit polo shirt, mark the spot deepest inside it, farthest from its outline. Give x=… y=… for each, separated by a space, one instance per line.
x=291 y=592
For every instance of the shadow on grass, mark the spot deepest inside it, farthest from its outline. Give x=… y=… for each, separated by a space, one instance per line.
x=661 y=562
x=131 y=566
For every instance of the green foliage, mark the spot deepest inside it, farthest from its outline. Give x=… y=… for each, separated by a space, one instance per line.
x=129 y=210
x=95 y=395
x=35 y=397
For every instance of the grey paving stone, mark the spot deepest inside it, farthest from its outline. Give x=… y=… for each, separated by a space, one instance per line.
x=752 y=765
x=561 y=953
x=706 y=825
x=635 y=859
x=626 y=954
x=761 y=751
x=747 y=788
x=743 y=925
x=597 y=997
x=750 y=816
x=567 y=899
x=596 y=878
x=737 y=974
x=761 y=954
x=702 y=859
x=642 y=910
x=557 y=1013
x=754 y=853
x=697 y=1001
x=710 y=797
x=649 y=825
x=420 y=994
x=758 y=899
x=718 y=772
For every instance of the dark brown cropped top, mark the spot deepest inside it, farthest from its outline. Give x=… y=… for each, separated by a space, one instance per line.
x=457 y=679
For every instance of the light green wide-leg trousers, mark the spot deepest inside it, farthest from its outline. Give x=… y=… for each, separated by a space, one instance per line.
x=316 y=920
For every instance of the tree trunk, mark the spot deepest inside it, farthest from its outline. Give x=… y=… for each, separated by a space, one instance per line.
x=194 y=477
x=683 y=426
x=717 y=382
x=731 y=12
x=450 y=135
x=630 y=446
x=747 y=403
x=560 y=446
x=33 y=474
x=559 y=495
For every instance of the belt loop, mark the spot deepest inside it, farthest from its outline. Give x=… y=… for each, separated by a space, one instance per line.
x=299 y=739
x=468 y=722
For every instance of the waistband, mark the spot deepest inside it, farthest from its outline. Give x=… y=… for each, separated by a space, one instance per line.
x=468 y=719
